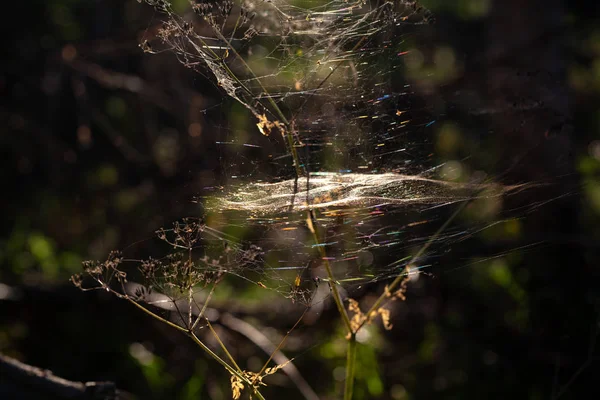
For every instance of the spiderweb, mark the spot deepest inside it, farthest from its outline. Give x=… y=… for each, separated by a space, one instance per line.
x=338 y=131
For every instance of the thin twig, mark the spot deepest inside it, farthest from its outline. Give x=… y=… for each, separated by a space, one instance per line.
x=204 y=347
x=212 y=290
x=222 y=345
x=259 y=338
x=392 y=286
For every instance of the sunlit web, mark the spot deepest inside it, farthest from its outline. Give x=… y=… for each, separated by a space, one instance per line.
x=324 y=80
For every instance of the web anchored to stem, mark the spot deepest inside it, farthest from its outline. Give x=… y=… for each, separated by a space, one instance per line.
x=339 y=152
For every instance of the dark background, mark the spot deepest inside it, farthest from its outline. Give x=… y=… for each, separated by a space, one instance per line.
x=102 y=144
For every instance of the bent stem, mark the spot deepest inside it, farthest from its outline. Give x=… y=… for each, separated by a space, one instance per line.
x=312 y=224
x=311 y=221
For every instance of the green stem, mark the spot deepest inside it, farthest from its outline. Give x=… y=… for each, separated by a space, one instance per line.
x=350 y=367
x=215 y=356
x=191 y=334
x=201 y=314
x=156 y=316
x=223 y=345
x=337 y=298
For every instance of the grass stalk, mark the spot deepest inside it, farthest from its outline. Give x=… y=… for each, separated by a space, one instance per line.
x=351 y=349
x=350 y=367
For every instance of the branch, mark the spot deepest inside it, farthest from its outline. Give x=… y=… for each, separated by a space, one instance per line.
x=28 y=382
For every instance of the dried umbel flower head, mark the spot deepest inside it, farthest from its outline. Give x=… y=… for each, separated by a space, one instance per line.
x=191 y=266
x=177 y=273
x=185 y=234
x=103 y=273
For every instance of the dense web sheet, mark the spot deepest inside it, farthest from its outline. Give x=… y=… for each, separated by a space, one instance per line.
x=338 y=130
x=327 y=191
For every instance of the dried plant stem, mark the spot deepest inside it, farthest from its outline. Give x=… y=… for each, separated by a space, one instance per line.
x=280 y=345
x=351 y=355
x=298 y=169
x=204 y=347
x=227 y=366
x=276 y=108
x=156 y=316
x=222 y=345
x=255 y=335
x=313 y=226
